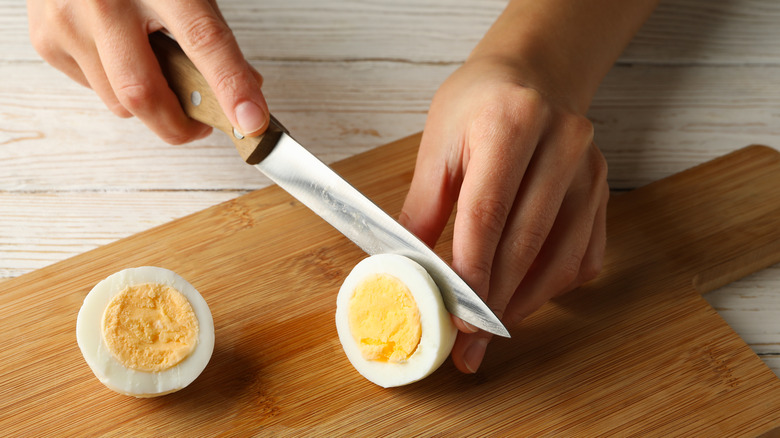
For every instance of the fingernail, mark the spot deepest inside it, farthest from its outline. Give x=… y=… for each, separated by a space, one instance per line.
x=471 y=328
x=250 y=117
x=474 y=354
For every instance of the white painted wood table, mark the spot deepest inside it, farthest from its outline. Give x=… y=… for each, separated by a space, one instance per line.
x=702 y=78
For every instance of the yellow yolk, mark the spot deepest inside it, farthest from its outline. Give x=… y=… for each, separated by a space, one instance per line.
x=150 y=327
x=384 y=319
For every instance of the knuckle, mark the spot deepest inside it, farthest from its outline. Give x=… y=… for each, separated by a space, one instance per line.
x=506 y=113
x=478 y=272
x=206 y=33
x=570 y=269
x=578 y=133
x=44 y=30
x=489 y=125
x=140 y=98
x=227 y=83
x=532 y=102
x=43 y=44
x=528 y=244
x=581 y=128
x=490 y=214
x=135 y=96
x=530 y=109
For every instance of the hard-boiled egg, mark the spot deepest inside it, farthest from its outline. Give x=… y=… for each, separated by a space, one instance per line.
x=392 y=322
x=145 y=332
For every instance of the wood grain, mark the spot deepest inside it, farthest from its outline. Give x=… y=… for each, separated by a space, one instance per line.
x=720 y=32
x=84 y=221
x=679 y=32
x=650 y=122
x=637 y=351
x=699 y=80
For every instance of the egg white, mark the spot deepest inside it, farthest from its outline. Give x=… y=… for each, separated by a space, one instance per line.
x=438 y=331
x=111 y=372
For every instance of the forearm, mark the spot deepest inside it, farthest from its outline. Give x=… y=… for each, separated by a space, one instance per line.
x=563 y=48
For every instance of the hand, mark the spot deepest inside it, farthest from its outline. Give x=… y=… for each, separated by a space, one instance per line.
x=530 y=188
x=105 y=46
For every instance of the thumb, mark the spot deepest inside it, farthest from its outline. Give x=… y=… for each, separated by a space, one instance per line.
x=208 y=41
x=432 y=194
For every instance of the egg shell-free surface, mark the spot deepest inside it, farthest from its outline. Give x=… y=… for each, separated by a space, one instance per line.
x=115 y=375
x=438 y=331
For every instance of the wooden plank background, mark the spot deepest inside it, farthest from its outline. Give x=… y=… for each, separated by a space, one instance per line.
x=701 y=78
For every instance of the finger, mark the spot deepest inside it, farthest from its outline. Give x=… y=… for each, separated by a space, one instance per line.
x=62 y=38
x=46 y=31
x=85 y=68
x=209 y=42
x=594 y=256
x=66 y=64
x=592 y=262
x=500 y=152
x=463 y=326
x=559 y=262
x=469 y=351
x=52 y=51
x=89 y=63
x=433 y=191
x=136 y=80
x=539 y=207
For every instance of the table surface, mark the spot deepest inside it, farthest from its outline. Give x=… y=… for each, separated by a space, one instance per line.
x=701 y=79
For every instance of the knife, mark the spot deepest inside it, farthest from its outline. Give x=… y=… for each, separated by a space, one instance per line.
x=293 y=168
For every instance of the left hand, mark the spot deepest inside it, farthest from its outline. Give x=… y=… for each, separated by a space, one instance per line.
x=530 y=188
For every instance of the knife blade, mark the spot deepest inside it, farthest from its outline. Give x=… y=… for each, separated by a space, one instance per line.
x=293 y=168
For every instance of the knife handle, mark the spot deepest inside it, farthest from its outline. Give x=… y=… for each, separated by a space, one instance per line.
x=200 y=103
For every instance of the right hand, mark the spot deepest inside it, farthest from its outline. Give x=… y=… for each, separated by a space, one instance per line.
x=105 y=46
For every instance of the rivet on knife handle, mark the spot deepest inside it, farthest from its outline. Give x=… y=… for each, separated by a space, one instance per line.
x=199 y=102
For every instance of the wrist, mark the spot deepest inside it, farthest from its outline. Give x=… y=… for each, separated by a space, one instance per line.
x=562 y=48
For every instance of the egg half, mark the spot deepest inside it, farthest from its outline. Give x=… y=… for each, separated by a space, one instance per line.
x=391 y=321
x=145 y=332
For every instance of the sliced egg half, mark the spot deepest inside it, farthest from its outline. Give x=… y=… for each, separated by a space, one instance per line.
x=145 y=332
x=392 y=322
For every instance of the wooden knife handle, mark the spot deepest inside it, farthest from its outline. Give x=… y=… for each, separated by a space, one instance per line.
x=199 y=102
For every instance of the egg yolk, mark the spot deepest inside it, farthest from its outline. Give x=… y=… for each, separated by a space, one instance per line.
x=384 y=319
x=150 y=327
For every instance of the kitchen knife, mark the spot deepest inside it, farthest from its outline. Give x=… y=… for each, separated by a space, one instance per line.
x=314 y=184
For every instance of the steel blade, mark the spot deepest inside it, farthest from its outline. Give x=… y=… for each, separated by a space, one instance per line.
x=322 y=190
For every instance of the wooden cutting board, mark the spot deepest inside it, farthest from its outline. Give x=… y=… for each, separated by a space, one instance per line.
x=637 y=351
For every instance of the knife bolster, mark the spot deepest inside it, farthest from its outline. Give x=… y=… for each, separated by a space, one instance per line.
x=254 y=149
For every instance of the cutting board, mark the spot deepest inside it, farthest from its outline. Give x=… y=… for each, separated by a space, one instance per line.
x=636 y=351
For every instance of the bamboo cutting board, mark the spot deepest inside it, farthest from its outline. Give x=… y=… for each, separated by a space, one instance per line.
x=637 y=351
